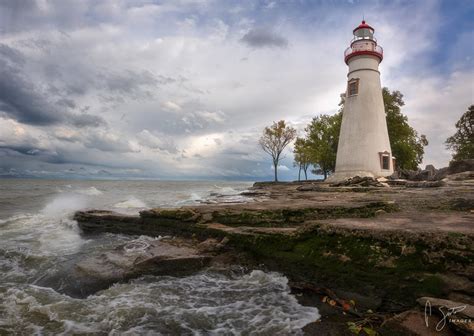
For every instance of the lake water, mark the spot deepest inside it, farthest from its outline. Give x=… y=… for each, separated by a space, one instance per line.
x=38 y=235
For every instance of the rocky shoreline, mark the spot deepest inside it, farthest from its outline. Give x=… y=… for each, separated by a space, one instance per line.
x=362 y=254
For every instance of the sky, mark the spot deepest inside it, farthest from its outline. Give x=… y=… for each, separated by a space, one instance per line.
x=182 y=89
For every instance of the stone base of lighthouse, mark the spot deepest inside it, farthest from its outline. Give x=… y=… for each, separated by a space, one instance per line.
x=345 y=175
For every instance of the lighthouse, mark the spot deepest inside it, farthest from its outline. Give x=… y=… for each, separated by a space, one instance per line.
x=364 y=146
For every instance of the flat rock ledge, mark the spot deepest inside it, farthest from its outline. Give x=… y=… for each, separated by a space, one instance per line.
x=141 y=256
x=388 y=246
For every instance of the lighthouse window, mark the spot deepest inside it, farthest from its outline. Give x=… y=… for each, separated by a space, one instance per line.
x=385 y=160
x=353 y=87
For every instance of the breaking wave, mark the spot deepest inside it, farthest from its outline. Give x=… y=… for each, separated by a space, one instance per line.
x=207 y=303
x=91 y=191
x=131 y=203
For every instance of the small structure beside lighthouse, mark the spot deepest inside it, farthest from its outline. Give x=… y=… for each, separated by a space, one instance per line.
x=364 y=146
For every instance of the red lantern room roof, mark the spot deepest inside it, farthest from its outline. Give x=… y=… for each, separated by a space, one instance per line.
x=363 y=25
x=363 y=43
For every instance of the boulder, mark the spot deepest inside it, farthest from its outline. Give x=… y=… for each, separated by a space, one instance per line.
x=424 y=184
x=429 y=172
x=418 y=175
x=408 y=174
x=440 y=174
x=414 y=323
x=464 y=176
x=142 y=256
x=431 y=169
x=423 y=175
x=394 y=176
x=212 y=245
x=397 y=182
x=461 y=166
x=364 y=181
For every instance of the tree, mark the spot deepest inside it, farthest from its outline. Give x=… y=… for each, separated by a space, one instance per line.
x=462 y=142
x=274 y=140
x=407 y=146
x=302 y=157
x=322 y=139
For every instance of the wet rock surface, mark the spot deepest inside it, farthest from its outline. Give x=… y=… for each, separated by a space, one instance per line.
x=142 y=256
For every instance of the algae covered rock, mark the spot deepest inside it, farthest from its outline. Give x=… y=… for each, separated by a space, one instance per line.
x=180 y=214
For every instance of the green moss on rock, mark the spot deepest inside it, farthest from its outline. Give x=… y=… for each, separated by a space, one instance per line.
x=359 y=263
x=295 y=217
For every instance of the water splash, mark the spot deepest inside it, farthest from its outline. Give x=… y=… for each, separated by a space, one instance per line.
x=208 y=303
x=91 y=191
x=131 y=203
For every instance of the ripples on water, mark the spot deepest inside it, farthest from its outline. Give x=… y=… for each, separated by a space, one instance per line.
x=38 y=236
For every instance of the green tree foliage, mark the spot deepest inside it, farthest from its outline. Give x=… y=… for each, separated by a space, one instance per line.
x=407 y=146
x=322 y=136
x=302 y=157
x=462 y=142
x=274 y=140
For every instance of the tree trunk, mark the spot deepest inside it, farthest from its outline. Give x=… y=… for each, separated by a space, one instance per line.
x=299 y=174
x=325 y=174
x=276 y=172
x=306 y=173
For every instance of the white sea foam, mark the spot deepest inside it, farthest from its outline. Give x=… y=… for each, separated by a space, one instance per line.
x=195 y=197
x=14 y=218
x=258 y=303
x=91 y=191
x=132 y=202
x=226 y=190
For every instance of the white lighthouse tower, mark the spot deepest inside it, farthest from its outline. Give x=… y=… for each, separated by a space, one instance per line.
x=364 y=146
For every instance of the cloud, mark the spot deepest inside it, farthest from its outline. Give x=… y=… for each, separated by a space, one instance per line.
x=156 y=142
x=171 y=106
x=280 y=168
x=262 y=38
x=139 y=88
x=19 y=98
x=87 y=120
x=28 y=103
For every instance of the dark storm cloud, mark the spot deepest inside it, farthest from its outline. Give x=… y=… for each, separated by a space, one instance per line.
x=21 y=100
x=105 y=143
x=128 y=82
x=26 y=150
x=261 y=38
x=24 y=15
x=11 y=55
x=66 y=102
x=86 y=120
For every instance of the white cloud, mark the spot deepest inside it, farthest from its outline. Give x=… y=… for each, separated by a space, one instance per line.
x=181 y=95
x=280 y=168
x=171 y=106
